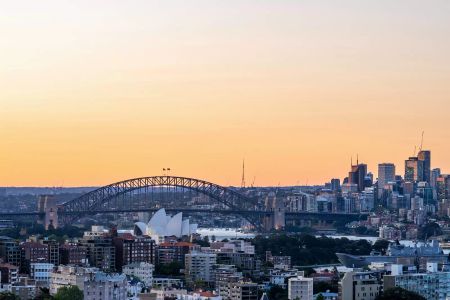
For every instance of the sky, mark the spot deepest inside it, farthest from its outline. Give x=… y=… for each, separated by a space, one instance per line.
x=93 y=92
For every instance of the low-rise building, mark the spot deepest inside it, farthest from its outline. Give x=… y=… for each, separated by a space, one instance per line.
x=360 y=286
x=69 y=275
x=280 y=277
x=242 y=291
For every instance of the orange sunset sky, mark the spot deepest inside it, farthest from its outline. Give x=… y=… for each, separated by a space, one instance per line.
x=93 y=92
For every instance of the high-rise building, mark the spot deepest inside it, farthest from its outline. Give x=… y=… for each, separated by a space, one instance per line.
x=425 y=157
x=101 y=252
x=33 y=252
x=131 y=249
x=435 y=173
x=223 y=276
x=413 y=169
x=300 y=288
x=11 y=251
x=199 y=267
x=443 y=187
x=357 y=175
x=386 y=174
x=335 y=184
x=169 y=252
x=72 y=254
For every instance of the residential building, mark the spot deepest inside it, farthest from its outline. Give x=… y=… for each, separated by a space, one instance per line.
x=11 y=251
x=223 y=275
x=8 y=273
x=360 y=286
x=300 y=288
x=102 y=286
x=69 y=275
x=130 y=249
x=72 y=254
x=100 y=251
x=40 y=272
x=168 y=252
x=243 y=291
x=199 y=267
x=432 y=285
x=142 y=270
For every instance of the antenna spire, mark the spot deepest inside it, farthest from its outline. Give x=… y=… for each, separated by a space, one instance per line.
x=421 y=141
x=243 y=174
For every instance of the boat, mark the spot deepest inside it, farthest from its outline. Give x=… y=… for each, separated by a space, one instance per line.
x=396 y=253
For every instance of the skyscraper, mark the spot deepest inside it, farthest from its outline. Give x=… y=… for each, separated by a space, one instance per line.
x=435 y=173
x=335 y=184
x=357 y=175
x=425 y=157
x=386 y=174
x=413 y=169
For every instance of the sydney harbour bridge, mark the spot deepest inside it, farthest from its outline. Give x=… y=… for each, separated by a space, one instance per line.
x=148 y=194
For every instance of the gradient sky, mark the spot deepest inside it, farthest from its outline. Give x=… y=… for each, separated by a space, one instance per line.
x=93 y=92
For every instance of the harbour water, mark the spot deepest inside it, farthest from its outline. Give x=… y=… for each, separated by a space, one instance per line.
x=224 y=233
x=235 y=233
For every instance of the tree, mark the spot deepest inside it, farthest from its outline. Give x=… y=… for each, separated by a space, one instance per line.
x=320 y=297
x=8 y=296
x=399 y=293
x=323 y=286
x=171 y=269
x=71 y=292
x=429 y=230
x=44 y=294
x=277 y=292
x=381 y=246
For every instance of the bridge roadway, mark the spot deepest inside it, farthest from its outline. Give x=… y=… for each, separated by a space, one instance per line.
x=288 y=215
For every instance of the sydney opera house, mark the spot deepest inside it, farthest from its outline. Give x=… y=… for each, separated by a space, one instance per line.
x=161 y=225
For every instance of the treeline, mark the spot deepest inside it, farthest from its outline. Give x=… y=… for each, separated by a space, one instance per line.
x=306 y=249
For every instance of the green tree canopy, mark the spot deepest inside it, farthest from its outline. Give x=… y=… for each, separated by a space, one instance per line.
x=8 y=296
x=69 y=293
x=399 y=293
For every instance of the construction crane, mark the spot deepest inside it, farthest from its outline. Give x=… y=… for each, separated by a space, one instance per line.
x=253 y=182
x=421 y=141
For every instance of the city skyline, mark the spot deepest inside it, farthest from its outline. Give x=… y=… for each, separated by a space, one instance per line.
x=93 y=94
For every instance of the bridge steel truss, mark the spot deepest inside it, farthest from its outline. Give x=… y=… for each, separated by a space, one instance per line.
x=95 y=200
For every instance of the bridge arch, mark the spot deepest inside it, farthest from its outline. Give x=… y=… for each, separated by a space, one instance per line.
x=95 y=199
